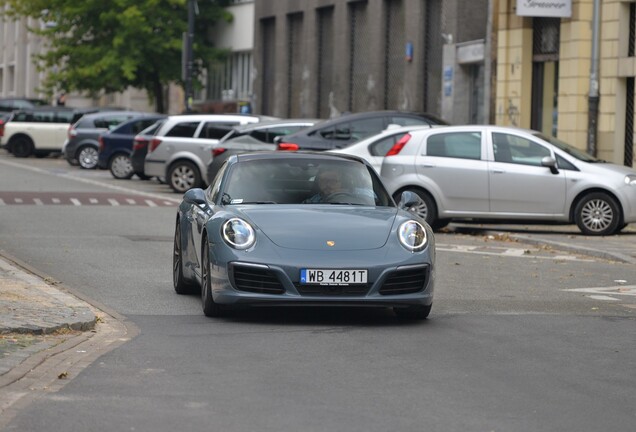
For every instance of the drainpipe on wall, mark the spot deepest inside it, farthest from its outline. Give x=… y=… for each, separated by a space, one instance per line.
x=593 y=98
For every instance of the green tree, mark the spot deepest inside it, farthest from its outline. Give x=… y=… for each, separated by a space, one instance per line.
x=108 y=45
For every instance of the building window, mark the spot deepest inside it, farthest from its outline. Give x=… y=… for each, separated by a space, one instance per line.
x=294 y=65
x=324 y=99
x=11 y=79
x=231 y=80
x=545 y=74
x=359 y=57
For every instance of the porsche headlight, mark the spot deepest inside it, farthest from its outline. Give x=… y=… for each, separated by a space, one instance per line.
x=630 y=180
x=412 y=236
x=238 y=234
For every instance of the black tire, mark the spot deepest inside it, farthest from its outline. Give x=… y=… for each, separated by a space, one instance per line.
x=183 y=175
x=598 y=214
x=210 y=308
x=87 y=157
x=620 y=228
x=181 y=286
x=428 y=209
x=120 y=167
x=142 y=176
x=413 y=312
x=22 y=146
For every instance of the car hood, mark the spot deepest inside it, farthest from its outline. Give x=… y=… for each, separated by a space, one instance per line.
x=314 y=227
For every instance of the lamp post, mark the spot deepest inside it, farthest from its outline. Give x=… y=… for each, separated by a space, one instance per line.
x=187 y=58
x=594 y=95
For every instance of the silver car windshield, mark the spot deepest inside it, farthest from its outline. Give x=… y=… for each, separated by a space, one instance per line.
x=304 y=181
x=569 y=149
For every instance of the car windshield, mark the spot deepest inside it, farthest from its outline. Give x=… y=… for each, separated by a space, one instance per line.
x=304 y=181
x=569 y=149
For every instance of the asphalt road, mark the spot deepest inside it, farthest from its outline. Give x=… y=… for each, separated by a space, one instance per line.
x=508 y=346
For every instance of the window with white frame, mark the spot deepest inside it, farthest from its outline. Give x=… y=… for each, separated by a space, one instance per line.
x=231 y=80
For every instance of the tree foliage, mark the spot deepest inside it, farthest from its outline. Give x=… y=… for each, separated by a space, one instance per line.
x=108 y=45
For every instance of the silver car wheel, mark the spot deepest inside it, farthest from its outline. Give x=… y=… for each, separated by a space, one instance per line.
x=120 y=167
x=183 y=176
x=87 y=157
x=597 y=215
x=420 y=210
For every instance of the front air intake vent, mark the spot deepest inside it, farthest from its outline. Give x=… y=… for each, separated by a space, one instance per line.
x=405 y=281
x=255 y=279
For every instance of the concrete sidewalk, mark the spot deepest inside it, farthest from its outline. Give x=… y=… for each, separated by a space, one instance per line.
x=35 y=315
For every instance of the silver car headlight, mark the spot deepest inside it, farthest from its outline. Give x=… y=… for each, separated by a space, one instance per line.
x=238 y=234
x=630 y=180
x=412 y=236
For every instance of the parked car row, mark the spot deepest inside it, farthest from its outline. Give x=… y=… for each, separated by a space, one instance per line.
x=469 y=173
x=41 y=130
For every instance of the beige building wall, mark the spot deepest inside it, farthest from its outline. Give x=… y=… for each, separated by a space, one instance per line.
x=514 y=73
x=514 y=68
x=575 y=52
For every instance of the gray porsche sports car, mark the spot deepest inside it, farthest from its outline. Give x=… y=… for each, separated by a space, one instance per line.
x=285 y=228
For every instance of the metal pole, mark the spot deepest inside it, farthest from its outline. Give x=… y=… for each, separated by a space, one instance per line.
x=188 y=57
x=593 y=98
x=488 y=93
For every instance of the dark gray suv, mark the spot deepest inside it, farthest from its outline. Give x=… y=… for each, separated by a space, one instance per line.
x=346 y=129
x=81 y=146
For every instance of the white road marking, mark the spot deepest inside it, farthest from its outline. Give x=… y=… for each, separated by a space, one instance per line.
x=620 y=290
x=602 y=297
x=506 y=252
x=93 y=182
x=151 y=203
x=56 y=200
x=113 y=201
x=18 y=200
x=76 y=202
x=131 y=201
x=38 y=201
x=1 y=201
x=93 y=200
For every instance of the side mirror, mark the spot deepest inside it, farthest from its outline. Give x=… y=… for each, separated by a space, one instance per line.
x=195 y=196
x=409 y=199
x=551 y=163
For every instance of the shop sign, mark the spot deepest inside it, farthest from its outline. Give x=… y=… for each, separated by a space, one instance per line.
x=545 y=8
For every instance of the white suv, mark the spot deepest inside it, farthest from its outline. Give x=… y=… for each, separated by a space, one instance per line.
x=38 y=131
x=181 y=149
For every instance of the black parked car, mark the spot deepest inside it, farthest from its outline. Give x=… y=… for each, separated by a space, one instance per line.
x=349 y=128
x=12 y=104
x=116 y=145
x=253 y=137
x=140 y=149
x=81 y=146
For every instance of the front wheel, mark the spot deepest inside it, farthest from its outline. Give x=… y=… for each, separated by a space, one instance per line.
x=183 y=175
x=210 y=307
x=87 y=157
x=181 y=286
x=598 y=214
x=120 y=167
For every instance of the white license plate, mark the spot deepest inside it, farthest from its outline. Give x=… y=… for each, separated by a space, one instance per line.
x=332 y=277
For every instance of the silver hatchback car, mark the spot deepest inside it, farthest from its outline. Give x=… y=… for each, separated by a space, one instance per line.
x=490 y=172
